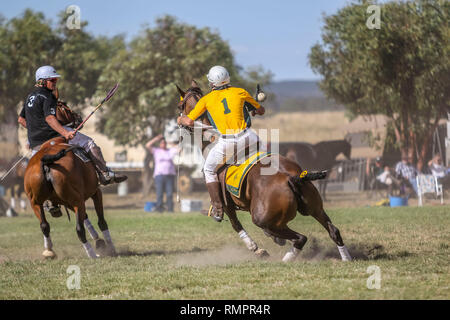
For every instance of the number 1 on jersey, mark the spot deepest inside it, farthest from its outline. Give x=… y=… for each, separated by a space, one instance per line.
x=225 y=105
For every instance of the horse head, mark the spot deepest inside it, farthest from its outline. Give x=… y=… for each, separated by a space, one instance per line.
x=66 y=116
x=188 y=100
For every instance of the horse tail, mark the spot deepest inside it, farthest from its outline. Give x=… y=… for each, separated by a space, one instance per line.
x=297 y=182
x=51 y=158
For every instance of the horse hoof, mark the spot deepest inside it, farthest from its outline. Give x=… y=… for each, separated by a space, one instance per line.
x=100 y=244
x=101 y=247
x=262 y=253
x=49 y=254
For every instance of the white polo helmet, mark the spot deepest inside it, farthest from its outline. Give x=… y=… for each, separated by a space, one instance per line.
x=218 y=76
x=46 y=72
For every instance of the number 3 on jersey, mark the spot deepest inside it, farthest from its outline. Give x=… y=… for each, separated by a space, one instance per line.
x=225 y=105
x=31 y=101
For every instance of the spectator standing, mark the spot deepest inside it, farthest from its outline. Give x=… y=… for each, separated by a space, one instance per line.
x=164 y=171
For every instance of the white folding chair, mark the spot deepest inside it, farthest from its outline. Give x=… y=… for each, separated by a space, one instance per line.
x=427 y=183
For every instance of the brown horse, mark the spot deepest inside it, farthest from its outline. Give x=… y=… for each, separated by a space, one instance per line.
x=272 y=200
x=55 y=173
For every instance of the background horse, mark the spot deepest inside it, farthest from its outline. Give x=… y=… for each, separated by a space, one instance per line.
x=55 y=173
x=272 y=200
x=319 y=156
x=14 y=181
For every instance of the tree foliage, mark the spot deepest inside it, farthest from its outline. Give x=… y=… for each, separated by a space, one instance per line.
x=81 y=59
x=149 y=68
x=401 y=70
x=30 y=41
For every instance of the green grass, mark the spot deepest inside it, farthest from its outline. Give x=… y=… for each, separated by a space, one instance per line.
x=189 y=256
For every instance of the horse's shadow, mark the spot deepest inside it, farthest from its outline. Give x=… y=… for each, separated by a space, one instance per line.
x=125 y=252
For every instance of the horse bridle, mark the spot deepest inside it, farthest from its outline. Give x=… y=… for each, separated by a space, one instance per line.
x=195 y=93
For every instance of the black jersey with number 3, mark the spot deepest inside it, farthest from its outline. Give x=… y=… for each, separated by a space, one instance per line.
x=38 y=105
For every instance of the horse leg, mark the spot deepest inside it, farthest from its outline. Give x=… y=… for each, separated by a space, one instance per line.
x=237 y=226
x=334 y=233
x=45 y=227
x=93 y=233
x=13 y=197
x=298 y=241
x=98 y=204
x=22 y=202
x=278 y=241
x=80 y=212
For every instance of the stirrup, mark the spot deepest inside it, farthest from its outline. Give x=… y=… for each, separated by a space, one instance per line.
x=109 y=177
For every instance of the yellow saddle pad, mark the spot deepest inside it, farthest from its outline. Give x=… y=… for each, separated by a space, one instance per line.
x=236 y=173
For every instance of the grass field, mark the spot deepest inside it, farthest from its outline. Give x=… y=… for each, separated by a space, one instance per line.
x=189 y=256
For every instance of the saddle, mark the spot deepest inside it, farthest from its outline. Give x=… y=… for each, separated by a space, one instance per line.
x=233 y=177
x=77 y=151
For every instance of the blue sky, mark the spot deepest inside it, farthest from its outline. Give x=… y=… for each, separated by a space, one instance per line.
x=275 y=34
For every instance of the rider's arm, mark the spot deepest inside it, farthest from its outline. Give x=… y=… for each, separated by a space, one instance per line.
x=249 y=99
x=22 y=119
x=49 y=109
x=149 y=144
x=55 y=125
x=199 y=109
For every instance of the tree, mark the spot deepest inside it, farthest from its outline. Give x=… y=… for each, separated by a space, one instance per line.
x=25 y=43
x=401 y=70
x=148 y=69
x=28 y=42
x=81 y=60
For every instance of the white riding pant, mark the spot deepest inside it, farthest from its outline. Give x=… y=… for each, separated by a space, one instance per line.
x=225 y=150
x=80 y=140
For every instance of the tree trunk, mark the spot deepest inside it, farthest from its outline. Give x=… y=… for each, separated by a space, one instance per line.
x=147 y=175
x=426 y=144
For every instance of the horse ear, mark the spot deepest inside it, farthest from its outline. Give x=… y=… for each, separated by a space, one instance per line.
x=194 y=84
x=181 y=92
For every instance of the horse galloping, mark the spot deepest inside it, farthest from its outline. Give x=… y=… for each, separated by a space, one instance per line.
x=55 y=173
x=272 y=200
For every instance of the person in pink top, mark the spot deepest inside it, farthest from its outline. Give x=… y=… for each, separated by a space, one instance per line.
x=164 y=171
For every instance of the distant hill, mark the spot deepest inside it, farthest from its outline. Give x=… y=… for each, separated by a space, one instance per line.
x=299 y=95
x=296 y=88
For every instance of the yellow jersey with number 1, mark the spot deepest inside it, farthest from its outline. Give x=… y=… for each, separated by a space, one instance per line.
x=226 y=109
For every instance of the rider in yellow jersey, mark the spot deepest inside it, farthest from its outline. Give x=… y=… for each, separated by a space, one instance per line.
x=226 y=108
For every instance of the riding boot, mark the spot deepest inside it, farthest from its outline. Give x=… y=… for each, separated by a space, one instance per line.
x=105 y=175
x=216 y=210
